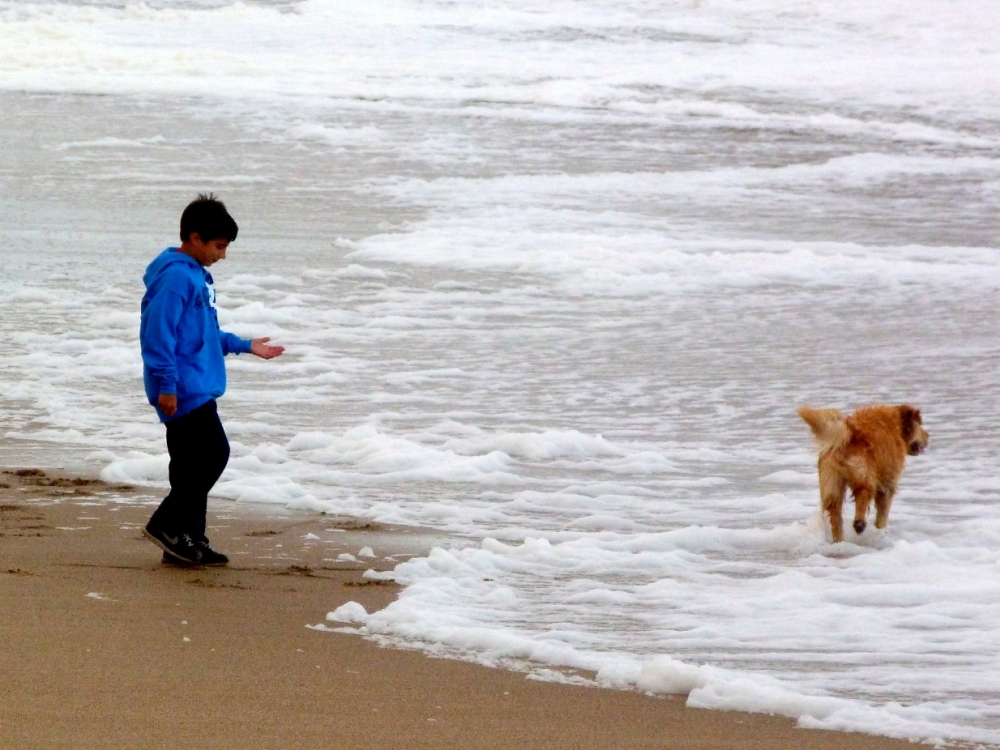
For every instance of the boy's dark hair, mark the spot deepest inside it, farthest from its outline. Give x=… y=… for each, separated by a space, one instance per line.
x=207 y=216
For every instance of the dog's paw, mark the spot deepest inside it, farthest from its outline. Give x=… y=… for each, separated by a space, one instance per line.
x=859 y=526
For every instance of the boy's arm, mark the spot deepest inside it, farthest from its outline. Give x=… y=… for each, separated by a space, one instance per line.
x=233 y=344
x=159 y=339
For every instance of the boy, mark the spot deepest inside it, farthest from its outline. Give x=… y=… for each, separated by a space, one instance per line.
x=184 y=373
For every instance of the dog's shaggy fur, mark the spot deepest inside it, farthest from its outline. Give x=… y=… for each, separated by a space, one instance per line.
x=865 y=453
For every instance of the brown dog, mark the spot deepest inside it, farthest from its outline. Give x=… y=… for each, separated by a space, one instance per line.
x=865 y=452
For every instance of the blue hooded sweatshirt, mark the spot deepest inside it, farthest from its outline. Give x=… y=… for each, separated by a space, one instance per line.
x=182 y=346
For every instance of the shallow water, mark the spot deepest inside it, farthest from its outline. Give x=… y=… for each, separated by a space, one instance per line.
x=553 y=278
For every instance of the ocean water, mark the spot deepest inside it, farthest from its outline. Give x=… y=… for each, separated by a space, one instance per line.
x=553 y=278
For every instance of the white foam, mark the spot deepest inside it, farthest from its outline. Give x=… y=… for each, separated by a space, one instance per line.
x=578 y=55
x=349 y=612
x=666 y=675
x=354 y=271
x=434 y=610
x=138 y=468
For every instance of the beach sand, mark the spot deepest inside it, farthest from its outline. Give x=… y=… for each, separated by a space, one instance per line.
x=106 y=647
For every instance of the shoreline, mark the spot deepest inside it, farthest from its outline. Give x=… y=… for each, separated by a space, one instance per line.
x=109 y=648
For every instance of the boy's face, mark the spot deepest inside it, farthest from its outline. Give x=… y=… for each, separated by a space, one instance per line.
x=209 y=252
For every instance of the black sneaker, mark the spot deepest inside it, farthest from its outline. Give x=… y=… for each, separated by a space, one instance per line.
x=181 y=546
x=209 y=556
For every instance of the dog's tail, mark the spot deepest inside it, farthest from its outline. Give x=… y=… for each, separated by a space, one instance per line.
x=828 y=426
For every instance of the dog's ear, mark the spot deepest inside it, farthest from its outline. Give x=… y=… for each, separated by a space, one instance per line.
x=909 y=417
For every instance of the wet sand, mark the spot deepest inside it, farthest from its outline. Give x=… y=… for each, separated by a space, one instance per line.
x=106 y=647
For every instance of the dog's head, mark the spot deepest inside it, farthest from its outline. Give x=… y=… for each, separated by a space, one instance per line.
x=914 y=434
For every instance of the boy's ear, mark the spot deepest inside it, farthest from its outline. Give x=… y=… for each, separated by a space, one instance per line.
x=195 y=239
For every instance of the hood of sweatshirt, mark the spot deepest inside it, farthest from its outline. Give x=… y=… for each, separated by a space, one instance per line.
x=169 y=257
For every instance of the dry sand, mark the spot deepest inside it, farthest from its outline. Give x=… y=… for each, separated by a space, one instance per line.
x=106 y=647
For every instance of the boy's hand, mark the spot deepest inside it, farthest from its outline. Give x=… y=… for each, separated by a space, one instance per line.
x=167 y=403
x=264 y=350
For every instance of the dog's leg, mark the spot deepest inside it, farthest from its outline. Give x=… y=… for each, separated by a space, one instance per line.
x=883 y=501
x=834 y=509
x=863 y=495
x=831 y=496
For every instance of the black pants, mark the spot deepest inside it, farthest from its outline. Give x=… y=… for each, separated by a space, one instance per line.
x=199 y=451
